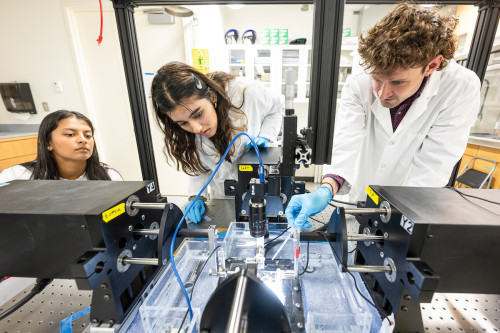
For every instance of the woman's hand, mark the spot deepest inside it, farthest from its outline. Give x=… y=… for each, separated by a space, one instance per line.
x=196 y=212
x=260 y=141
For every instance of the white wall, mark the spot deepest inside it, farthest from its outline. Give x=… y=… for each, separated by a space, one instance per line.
x=351 y=20
x=158 y=45
x=36 y=49
x=371 y=14
x=103 y=86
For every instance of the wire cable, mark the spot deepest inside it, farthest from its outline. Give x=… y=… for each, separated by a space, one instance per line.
x=172 y=261
x=194 y=283
x=463 y=195
x=472 y=196
x=323 y=223
x=344 y=202
x=354 y=279
x=275 y=238
x=39 y=286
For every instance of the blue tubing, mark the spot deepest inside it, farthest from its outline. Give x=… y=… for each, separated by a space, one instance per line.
x=172 y=261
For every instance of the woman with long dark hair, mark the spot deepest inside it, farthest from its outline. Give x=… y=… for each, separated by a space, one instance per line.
x=66 y=150
x=200 y=114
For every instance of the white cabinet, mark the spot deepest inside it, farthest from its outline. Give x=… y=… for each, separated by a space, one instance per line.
x=268 y=64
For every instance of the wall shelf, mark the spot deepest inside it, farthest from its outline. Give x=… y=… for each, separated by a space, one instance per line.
x=268 y=63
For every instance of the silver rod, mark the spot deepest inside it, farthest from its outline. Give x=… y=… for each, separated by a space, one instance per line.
x=365 y=210
x=197 y=233
x=369 y=269
x=140 y=261
x=237 y=306
x=146 y=231
x=365 y=238
x=148 y=205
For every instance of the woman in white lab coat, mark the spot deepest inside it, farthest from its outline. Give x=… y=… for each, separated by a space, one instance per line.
x=200 y=114
x=66 y=150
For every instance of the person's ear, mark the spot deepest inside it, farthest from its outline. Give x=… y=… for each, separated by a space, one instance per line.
x=213 y=97
x=433 y=65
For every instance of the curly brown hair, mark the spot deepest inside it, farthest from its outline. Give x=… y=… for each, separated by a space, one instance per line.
x=174 y=84
x=409 y=36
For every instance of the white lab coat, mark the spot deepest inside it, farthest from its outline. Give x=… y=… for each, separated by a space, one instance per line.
x=422 y=151
x=264 y=112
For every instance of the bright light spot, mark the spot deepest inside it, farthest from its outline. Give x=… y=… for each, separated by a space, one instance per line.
x=234 y=6
x=277 y=289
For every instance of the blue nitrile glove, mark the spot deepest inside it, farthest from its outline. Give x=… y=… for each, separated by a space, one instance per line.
x=260 y=141
x=302 y=206
x=196 y=212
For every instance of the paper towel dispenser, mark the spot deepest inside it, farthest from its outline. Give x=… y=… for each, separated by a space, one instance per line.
x=17 y=97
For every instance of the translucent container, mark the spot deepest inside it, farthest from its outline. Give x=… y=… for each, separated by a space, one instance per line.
x=164 y=319
x=330 y=300
x=164 y=307
x=238 y=242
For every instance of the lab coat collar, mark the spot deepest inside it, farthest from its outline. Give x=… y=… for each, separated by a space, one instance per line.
x=418 y=107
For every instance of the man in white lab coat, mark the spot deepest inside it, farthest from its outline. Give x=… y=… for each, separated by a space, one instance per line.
x=406 y=120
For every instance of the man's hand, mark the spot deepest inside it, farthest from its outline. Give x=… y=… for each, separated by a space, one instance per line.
x=302 y=206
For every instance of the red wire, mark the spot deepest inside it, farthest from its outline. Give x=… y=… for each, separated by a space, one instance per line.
x=99 y=39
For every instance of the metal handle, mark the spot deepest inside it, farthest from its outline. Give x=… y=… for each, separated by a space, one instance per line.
x=365 y=238
x=369 y=269
x=148 y=205
x=140 y=261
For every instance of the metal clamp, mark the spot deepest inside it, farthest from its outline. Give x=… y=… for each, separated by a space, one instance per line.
x=391 y=276
x=128 y=205
x=385 y=217
x=120 y=265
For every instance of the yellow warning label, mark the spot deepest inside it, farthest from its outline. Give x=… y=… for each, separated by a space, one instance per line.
x=246 y=168
x=372 y=195
x=200 y=60
x=113 y=212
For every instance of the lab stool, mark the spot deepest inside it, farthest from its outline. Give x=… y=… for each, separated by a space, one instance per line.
x=474 y=178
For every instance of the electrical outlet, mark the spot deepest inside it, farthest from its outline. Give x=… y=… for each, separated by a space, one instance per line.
x=45 y=106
